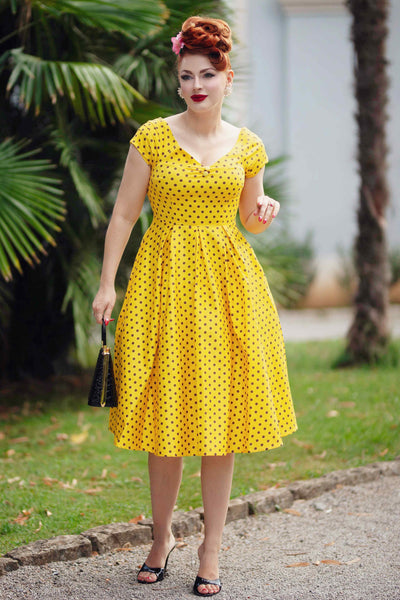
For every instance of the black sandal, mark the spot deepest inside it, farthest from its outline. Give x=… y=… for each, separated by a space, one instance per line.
x=202 y=581
x=159 y=572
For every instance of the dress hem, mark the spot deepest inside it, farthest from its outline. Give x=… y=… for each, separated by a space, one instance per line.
x=118 y=444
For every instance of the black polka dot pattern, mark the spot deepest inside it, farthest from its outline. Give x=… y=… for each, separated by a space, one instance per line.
x=200 y=362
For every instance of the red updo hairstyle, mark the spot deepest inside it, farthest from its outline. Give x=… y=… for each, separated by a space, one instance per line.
x=207 y=36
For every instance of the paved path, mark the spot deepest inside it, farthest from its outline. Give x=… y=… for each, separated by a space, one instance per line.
x=345 y=543
x=326 y=323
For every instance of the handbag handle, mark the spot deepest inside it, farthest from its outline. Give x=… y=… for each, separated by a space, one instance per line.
x=103 y=332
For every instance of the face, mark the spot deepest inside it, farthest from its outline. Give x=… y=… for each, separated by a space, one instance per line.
x=202 y=85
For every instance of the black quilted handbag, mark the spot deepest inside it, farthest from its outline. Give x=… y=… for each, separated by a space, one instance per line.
x=103 y=391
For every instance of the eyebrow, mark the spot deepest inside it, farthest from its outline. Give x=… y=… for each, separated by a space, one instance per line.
x=202 y=71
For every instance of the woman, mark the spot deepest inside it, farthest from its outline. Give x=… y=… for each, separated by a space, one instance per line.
x=199 y=357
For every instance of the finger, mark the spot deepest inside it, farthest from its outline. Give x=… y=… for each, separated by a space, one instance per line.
x=259 y=205
x=269 y=211
x=276 y=210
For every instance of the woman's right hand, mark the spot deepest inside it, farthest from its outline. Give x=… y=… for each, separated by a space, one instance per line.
x=103 y=304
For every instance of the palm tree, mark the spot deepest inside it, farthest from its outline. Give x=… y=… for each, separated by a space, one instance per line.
x=61 y=89
x=368 y=336
x=80 y=76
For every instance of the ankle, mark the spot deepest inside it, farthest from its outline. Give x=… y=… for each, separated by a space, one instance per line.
x=163 y=538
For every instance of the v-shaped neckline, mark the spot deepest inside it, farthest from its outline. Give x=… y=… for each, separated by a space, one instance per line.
x=195 y=159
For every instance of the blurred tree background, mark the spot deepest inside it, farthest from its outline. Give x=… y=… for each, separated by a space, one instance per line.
x=80 y=77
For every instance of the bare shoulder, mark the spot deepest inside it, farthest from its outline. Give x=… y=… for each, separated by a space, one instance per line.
x=174 y=120
x=230 y=130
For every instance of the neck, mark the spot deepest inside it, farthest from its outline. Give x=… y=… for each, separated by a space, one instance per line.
x=205 y=124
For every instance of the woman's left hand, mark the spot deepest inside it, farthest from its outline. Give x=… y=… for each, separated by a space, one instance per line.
x=267 y=209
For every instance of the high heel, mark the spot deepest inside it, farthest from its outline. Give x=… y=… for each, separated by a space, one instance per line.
x=159 y=572
x=201 y=581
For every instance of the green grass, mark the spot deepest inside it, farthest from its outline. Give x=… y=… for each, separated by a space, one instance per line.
x=57 y=456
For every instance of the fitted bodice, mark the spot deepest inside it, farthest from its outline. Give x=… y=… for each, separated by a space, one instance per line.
x=182 y=191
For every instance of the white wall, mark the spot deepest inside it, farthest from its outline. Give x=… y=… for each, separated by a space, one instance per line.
x=299 y=98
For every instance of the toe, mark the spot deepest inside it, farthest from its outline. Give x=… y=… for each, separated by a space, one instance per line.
x=207 y=589
x=147 y=576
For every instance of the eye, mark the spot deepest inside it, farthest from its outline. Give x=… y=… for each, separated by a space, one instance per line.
x=185 y=77
x=208 y=75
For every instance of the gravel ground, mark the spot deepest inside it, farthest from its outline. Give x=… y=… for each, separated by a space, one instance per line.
x=358 y=528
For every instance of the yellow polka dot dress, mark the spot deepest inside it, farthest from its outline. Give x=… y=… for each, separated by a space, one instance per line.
x=200 y=362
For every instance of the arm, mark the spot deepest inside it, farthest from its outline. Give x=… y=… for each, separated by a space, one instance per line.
x=256 y=210
x=129 y=203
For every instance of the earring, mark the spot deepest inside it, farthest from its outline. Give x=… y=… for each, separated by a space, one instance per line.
x=179 y=92
x=228 y=89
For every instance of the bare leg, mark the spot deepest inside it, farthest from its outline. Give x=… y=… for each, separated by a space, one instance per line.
x=165 y=478
x=216 y=482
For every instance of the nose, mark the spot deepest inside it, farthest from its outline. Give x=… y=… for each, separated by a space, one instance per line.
x=196 y=83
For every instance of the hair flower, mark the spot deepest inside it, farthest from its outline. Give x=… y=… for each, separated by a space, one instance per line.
x=177 y=43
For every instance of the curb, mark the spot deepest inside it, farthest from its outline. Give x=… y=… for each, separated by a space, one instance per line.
x=106 y=538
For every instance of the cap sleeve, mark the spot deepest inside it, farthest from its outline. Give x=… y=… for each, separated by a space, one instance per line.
x=255 y=156
x=144 y=141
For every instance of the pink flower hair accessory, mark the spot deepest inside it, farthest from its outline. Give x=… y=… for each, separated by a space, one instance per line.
x=177 y=43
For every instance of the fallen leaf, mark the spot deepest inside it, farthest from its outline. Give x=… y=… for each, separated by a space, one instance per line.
x=103 y=474
x=301 y=444
x=20 y=440
x=316 y=563
x=85 y=472
x=328 y=561
x=79 y=438
x=13 y=479
x=10 y=452
x=361 y=514
x=92 y=491
x=107 y=457
x=292 y=511
x=299 y=564
x=295 y=553
x=197 y=474
x=277 y=464
x=113 y=475
x=330 y=544
x=384 y=452
x=81 y=416
x=138 y=479
x=2 y=435
x=348 y=404
x=49 y=429
x=49 y=481
x=332 y=413
x=22 y=518
x=136 y=519
x=320 y=456
x=127 y=549
x=39 y=528
x=352 y=561
x=62 y=437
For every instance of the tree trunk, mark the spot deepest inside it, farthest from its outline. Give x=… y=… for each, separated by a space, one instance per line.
x=368 y=336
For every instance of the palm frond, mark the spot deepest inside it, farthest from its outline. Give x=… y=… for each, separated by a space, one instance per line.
x=69 y=158
x=30 y=206
x=132 y=18
x=82 y=287
x=95 y=92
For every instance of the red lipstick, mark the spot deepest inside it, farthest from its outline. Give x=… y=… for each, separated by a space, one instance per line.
x=198 y=98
